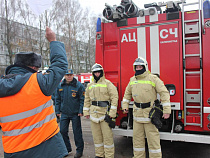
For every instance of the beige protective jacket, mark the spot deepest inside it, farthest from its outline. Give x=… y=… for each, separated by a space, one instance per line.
x=103 y=90
x=143 y=89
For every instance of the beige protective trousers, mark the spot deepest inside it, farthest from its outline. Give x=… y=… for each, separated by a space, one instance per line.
x=103 y=139
x=153 y=140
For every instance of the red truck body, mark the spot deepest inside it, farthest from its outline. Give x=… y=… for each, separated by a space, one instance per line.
x=84 y=78
x=176 y=47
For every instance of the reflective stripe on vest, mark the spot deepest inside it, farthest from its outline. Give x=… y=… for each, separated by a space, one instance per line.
x=27 y=118
x=98 y=85
x=28 y=129
x=25 y=114
x=142 y=82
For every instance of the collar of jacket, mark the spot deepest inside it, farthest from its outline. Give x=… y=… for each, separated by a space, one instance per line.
x=73 y=83
x=18 y=69
x=145 y=74
x=100 y=80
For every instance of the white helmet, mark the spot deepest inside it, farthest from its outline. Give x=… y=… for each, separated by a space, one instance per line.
x=140 y=61
x=96 y=67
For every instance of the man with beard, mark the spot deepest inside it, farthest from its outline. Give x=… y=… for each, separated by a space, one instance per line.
x=143 y=88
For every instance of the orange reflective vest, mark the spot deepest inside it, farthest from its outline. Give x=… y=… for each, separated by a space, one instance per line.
x=27 y=118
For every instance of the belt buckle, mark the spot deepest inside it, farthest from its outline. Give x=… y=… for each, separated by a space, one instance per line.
x=97 y=103
x=140 y=105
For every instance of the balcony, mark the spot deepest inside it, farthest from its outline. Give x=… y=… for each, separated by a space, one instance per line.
x=82 y=62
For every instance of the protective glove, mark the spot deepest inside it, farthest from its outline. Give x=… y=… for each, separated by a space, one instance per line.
x=156 y=121
x=155 y=114
x=110 y=121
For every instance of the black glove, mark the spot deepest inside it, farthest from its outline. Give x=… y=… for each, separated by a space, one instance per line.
x=157 y=103
x=156 y=121
x=110 y=121
x=155 y=114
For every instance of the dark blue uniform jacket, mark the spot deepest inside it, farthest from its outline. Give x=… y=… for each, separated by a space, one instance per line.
x=69 y=98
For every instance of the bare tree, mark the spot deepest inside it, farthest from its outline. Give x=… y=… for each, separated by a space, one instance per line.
x=8 y=12
x=91 y=42
x=72 y=20
x=27 y=19
x=64 y=26
x=24 y=31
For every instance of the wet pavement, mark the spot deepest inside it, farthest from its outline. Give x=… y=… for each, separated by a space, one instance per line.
x=123 y=146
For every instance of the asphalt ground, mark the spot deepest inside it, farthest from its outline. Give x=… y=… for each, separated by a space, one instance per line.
x=123 y=146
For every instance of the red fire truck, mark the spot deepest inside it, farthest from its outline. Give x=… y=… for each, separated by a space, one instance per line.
x=176 y=44
x=84 y=78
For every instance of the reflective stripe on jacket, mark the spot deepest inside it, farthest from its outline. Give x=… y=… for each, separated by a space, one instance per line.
x=143 y=89
x=29 y=118
x=103 y=90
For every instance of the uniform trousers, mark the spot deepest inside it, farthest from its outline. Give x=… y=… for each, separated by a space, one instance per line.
x=140 y=130
x=77 y=131
x=103 y=139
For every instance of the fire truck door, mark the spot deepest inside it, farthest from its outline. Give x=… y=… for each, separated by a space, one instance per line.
x=160 y=45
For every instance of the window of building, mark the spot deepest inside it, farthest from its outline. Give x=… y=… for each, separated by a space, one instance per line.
x=20 y=41
x=2 y=48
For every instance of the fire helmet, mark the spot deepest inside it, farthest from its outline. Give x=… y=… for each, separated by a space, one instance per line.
x=140 y=61
x=96 y=67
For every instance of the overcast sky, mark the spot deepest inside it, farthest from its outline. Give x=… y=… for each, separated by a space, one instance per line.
x=97 y=6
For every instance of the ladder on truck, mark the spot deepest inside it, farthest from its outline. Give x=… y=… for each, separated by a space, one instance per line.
x=192 y=36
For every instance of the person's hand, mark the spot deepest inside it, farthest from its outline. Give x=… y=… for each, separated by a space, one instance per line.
x=125 y=111
x=50 y=35
x=59 y=115
x=80 y=114
x=87 y=117
x=166 y=116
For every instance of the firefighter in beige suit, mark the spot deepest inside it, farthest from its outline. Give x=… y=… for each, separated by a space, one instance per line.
x=99 y=94
x=143 y=88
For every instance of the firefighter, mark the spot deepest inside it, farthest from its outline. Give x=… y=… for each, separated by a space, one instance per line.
x=99 y=95
x=143 y=88
x=27 y=117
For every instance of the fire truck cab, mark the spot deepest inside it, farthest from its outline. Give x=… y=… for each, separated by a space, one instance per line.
x=175 y=44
